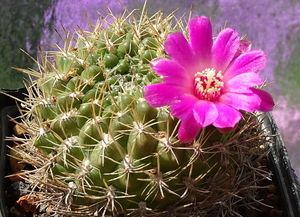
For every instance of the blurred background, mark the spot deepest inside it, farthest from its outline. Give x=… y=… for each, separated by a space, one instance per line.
x=271 y=25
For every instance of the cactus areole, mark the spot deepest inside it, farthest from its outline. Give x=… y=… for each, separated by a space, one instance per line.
x=126 y=121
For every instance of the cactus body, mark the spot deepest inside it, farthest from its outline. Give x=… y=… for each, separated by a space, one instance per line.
x=100 y=149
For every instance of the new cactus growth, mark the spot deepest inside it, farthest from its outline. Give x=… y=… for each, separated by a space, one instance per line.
x=98 y=148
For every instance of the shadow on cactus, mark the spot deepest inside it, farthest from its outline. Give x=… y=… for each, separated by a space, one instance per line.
x=98 y=147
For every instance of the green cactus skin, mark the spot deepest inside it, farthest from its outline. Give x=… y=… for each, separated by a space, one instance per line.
x=99 y=149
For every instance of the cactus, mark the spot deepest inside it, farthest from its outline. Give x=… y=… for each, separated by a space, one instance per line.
x=97 y=148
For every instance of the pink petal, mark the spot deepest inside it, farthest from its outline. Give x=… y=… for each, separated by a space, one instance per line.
x=205 y=112
x=176 y=74
x=224 y=48
x=188 y=129
x=252 y=61
x=267 y=102
x=201 y=40
x=184 y=83
x=184 y=104
x=180 y=51
x=258 y=100
x=248 y=102
x=166 y=67
x=184 y=110
x=228 y=116
x=242 y=82
x=245 y=46
x=162 y=94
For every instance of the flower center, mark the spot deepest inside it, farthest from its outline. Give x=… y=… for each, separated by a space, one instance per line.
x=208 y=84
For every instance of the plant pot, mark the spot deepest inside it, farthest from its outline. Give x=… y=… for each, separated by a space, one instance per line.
x=283 y=174
x=284 y=177
x=8 y=108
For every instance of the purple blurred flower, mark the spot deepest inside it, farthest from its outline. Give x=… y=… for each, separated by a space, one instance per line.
x=206 y=82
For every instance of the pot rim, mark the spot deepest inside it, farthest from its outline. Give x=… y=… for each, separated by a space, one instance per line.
x=283 y=174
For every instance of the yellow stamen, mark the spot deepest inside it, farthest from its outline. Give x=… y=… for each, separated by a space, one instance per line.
x=208 y=84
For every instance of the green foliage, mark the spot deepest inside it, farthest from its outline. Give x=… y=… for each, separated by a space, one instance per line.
x=22 y=24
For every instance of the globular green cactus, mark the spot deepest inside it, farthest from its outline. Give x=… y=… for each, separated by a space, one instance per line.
x=98 y=149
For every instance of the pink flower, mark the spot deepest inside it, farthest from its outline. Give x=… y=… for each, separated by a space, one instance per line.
x=207 y=82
